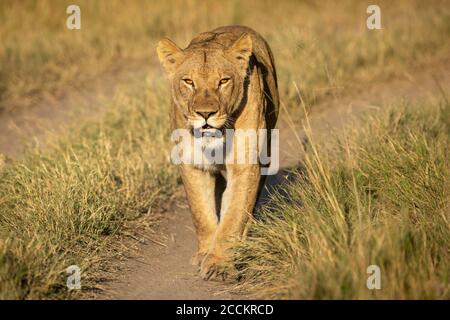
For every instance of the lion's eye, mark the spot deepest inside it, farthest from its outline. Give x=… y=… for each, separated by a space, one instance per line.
x=223 y=81
x=188 y=81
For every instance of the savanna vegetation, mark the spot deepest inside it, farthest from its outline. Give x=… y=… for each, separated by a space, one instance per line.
x=66 y=203
x=379 y=195
x=322 y=45
x=63 y=206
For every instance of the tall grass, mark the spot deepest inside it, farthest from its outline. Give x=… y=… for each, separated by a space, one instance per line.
x=61 y=206
x=379 y=196
x=323 y=44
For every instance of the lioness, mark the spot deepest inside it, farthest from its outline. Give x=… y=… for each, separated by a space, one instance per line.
x=224 y=79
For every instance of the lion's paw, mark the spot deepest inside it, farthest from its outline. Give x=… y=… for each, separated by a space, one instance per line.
x=217 y=268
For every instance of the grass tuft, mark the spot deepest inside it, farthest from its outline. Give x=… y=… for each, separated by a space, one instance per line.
x=61 y=205
x=379 y=196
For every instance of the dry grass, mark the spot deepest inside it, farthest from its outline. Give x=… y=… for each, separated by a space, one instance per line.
x=378 y=196
x=61 y=206
x=324 y=46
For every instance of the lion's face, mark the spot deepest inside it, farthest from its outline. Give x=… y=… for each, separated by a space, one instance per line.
x=205 y=90
x=207 y=84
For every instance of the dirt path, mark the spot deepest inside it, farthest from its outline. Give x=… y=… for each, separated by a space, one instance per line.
x=163 y=271
x=51 y=114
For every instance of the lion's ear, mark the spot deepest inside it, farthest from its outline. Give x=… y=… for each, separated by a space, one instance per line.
x=241 y=49
x=170 y=55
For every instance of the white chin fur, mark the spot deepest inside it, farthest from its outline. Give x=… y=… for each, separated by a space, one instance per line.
x=207 y=144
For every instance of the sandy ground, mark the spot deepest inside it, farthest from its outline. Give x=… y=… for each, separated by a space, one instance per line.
x=162 y=270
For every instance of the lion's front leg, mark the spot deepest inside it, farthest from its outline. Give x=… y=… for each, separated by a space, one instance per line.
x=237 y=207
x=200 y=189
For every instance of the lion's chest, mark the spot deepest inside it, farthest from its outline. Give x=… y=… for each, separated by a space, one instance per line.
x=205 y=153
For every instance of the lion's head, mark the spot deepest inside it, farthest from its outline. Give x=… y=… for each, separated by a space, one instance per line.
x=207 y=82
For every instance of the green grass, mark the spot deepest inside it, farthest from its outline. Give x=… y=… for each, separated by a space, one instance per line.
x=378 y=196
x=63 y=205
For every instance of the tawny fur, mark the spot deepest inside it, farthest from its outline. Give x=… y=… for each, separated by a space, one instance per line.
x=248 y=100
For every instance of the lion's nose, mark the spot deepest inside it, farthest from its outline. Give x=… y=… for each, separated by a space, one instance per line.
x=206 y=114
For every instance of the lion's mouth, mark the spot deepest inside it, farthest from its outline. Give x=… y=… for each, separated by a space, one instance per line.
x=208 y=131
x=207 y=126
